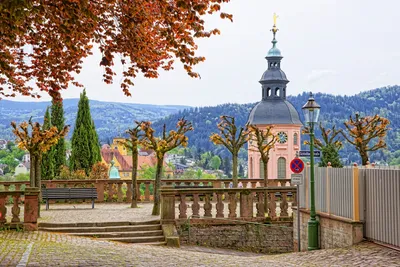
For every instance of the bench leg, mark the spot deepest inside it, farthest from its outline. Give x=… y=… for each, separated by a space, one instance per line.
x=92 y=203
x=47 y=204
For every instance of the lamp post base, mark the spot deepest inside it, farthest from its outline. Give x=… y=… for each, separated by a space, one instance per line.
x=313 y=234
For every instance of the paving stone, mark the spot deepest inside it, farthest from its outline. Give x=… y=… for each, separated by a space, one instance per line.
x=65 y=250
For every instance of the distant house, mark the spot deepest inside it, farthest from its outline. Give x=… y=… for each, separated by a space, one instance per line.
x=26 y=157
x=22 y=168
x=123 y=161
x=3 y=144
x=1 y=172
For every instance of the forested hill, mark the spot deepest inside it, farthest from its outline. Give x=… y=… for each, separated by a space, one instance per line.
x=334 y=111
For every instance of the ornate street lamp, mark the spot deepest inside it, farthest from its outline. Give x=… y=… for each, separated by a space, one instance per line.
x=311 y=114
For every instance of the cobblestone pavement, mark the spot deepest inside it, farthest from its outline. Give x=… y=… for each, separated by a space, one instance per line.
x=52 y=249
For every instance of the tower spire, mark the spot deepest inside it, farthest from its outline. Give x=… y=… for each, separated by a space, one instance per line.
x=274 y=31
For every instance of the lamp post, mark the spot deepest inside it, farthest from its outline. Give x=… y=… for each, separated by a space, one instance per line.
x=311 y=113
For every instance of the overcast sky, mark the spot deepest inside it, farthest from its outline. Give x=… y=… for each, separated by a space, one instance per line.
x=330 y=46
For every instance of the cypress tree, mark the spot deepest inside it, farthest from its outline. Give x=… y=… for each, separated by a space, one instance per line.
x=48 y=162
x=59 y=150
x=84 y=143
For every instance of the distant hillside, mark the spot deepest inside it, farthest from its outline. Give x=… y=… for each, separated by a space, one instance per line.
x=334 y=110
x=110 y=118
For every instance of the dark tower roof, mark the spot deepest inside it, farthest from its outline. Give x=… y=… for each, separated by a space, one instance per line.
x=273 y=107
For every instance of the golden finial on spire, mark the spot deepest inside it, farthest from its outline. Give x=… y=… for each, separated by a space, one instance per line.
x=275 y=17
x=274 y=29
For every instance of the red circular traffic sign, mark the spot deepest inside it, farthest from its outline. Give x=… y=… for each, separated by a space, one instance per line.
x=297 y=165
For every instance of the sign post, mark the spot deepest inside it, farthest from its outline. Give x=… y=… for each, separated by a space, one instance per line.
x=297 y=166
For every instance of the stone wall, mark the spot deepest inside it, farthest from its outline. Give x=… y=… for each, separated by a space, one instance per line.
x=271 y=238
x=333 y=232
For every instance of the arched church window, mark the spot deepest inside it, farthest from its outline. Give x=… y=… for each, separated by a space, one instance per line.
x=295 y=141
x=277 y=91
x=268 y=91
x=251 y=168
x=281 y=168
x=271 y=64
x=261 y=169
x=284 y=91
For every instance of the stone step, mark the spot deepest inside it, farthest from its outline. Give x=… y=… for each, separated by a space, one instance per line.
x=144 y=239
x=122 y=228
x=120 y=234
x=154 y=243
x=96 y=224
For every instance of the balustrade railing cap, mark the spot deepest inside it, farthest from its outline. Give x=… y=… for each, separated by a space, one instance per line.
x=31 y=191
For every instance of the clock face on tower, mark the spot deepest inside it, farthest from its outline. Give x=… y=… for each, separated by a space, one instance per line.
x=282 y=137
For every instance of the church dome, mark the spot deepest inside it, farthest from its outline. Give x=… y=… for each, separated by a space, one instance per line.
x=274 y=75
x=274 y=52
x=274 y=111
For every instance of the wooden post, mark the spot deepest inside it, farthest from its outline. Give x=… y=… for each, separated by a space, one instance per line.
x=356 y=195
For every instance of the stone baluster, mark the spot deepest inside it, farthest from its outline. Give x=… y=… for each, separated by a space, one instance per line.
x=3 y=209
x=232 y=205
x=182 y=207
x=196 y=183
x=284 y=205
x=119 y=192
x=220 y=205
x=246 y=205
x=271 y=205
x=260 y=204
x=147 y=191
x=7 y=187
x=196 y=205
x=15 y=210
x=207 y=206
x=110 y=192
x=18 y=187
x=128 y=192
x=100 y=191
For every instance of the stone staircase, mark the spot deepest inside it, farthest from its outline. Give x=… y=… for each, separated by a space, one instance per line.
x=145 y=233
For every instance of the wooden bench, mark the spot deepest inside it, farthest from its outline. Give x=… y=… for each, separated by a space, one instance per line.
x=69 y=193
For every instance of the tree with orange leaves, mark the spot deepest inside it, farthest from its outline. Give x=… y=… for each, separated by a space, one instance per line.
x=265 y=141
x=161 y=145
x=46 y=41
x=362 y=130
x=132 y=143
x=36 y=140
x=233 y=139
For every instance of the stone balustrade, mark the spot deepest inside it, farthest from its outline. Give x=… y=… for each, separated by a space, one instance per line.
x=30 y=197
x=121 y=190
x=219 y=203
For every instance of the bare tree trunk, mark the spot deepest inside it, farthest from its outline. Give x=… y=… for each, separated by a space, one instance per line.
x=265 y=185
x=32 y=171
x=235 y=171
x=157 y=204
x=364 y=156
x=38 y=182
x=134 y=177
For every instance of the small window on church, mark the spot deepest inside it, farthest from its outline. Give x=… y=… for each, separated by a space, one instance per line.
x=268 y=91
x=295 y=141
x=271 y=64
x=276 y=64
x=277 y=92
x=281 y=168
x=284 y=92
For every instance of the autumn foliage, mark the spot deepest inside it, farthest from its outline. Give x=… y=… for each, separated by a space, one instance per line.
x=361 y=131
x=99 y=171
x=44 y=42
x=161 y=145
x=233 y=138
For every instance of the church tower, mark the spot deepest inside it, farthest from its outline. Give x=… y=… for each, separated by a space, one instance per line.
x=274 y=110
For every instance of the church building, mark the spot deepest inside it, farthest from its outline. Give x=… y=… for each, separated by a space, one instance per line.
x=274 y=110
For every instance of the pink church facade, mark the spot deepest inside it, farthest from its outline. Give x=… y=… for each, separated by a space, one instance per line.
x=280 y=155
x=274 y=110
